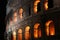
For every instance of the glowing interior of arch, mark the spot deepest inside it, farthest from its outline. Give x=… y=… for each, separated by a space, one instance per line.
x=35 y=5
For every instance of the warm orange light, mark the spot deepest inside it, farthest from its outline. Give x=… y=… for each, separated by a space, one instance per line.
x=20 y=34
x=40 y=34
x=36 y=31
x=14 y=35
x=36 y=2
x=35 y=5
x=46 y=5
x=15 y=17
x=50 y=28
x=20 y=31
x=35 y=9
x=27 y=28
x=36 y=25
x=27 y=33
x=52 y=31
x=47 y=27
x=47 y=31
x=21 y=12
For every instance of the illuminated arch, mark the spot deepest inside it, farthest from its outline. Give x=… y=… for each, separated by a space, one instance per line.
x=27 y=33
x=20 y=34
x=50 y=30
x=37 y=32
x=46 y=5
x=15 y=16
x=21 y=13
x=35 y=5
x=14 y=35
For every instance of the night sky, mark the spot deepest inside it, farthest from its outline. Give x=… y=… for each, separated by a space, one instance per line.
x=2 y=18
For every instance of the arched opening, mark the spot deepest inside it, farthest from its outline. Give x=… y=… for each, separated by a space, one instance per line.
x=15 y=16
x=50 y=30
x=50 y=4
x=27 y=33
x=20 y=34
x=21 y=13
x=46 y=5
x=37 y=31
x=38 y=7
x=14 y=35
x=36 y=3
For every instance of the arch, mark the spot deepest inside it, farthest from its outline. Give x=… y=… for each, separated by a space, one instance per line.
x=50 y=30
x=20 y=34
x=27 y=33
x=38 y=7
x=14 y=35
x=27 y=28
x=46 y=5
x=36 y=25
x=15 y=16
x=21 y=12
x=37 y=31
x=35 y=5
x=51 y=3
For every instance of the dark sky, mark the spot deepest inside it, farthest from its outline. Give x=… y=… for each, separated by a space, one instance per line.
x=2 y=18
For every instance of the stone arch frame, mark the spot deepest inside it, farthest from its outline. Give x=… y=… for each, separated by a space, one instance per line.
x=20 y=34
x=50 y=28
x=14 y=37
x=15 y=14
x=46 y=5
x=21 y=10
x=35 y=5
x=27 y=34
x=37 y=30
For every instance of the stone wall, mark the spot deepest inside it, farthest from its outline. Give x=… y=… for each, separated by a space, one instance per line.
x=56 y=3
